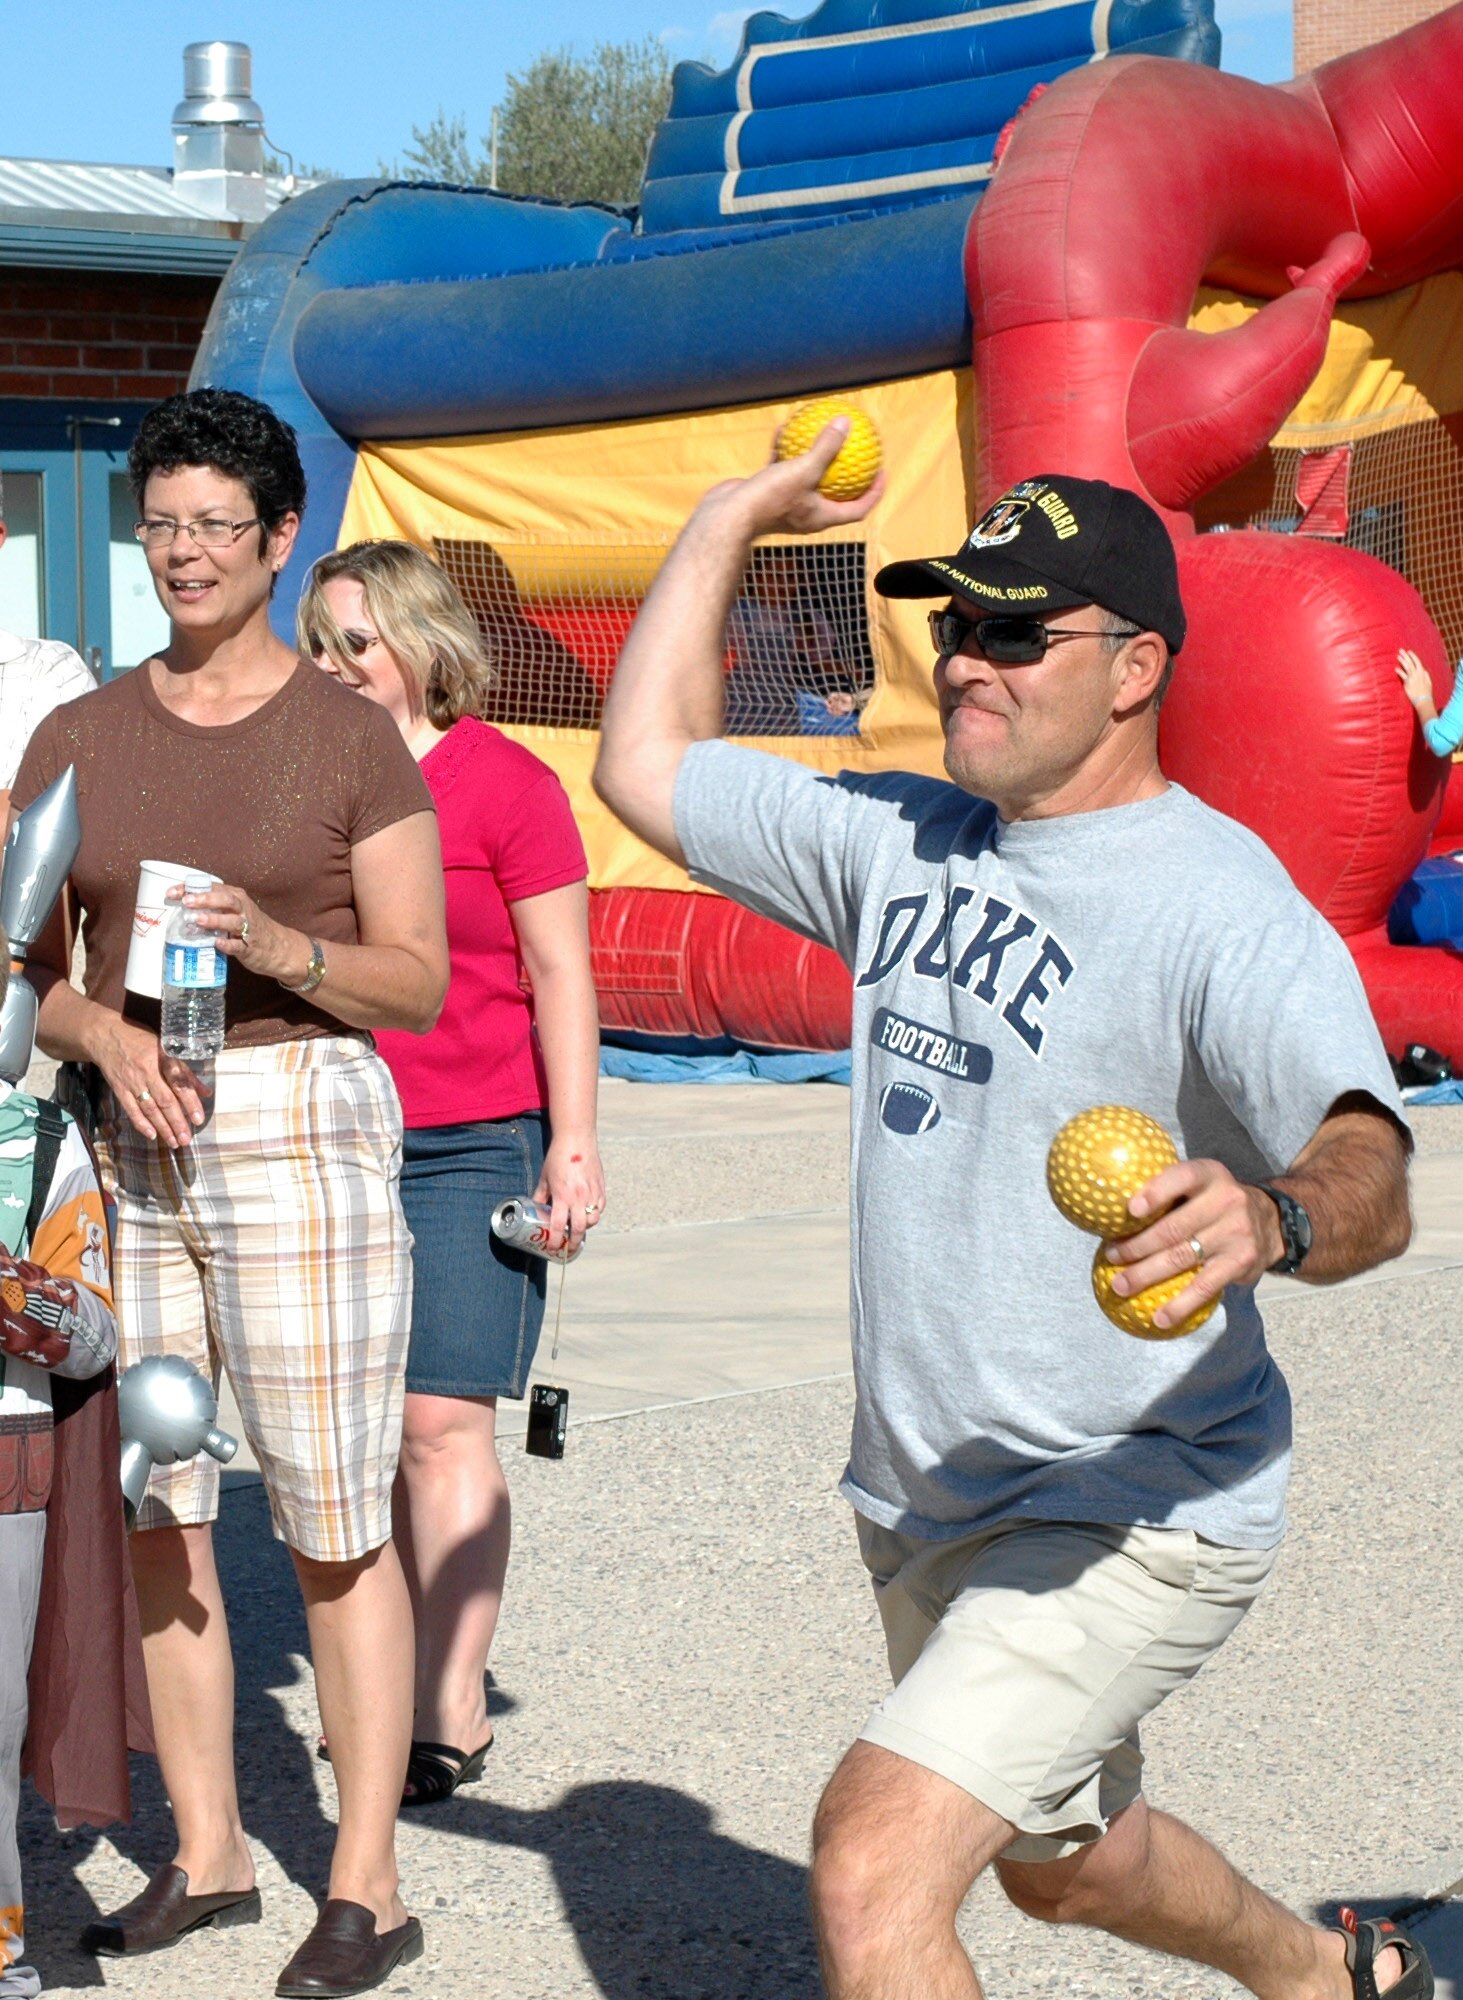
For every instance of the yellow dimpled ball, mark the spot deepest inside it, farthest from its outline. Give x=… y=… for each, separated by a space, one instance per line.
x=1134 y=1314
x=856 y=467
x=1099 y=1160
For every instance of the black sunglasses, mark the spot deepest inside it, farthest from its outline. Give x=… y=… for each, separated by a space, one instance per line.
x=357 y=643
x=1007 y=641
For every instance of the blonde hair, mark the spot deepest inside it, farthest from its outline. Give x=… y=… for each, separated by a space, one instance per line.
x=421 y=618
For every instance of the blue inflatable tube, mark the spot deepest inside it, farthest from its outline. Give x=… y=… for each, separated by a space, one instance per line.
x=745 y=322
x=801 y=227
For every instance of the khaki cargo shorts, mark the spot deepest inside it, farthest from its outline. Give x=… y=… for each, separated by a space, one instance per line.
x=1025 y=1657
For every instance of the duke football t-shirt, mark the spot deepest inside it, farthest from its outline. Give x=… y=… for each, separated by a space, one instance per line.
x=1007 y=976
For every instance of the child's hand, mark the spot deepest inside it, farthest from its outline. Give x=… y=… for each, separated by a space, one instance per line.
x=1416 y=682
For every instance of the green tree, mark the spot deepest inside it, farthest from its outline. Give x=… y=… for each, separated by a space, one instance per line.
x=570 y=128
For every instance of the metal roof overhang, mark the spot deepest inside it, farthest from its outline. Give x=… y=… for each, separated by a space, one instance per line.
x=55 y=241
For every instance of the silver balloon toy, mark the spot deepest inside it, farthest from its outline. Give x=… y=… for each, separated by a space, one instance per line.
x=39 y=855
x=167 y=1413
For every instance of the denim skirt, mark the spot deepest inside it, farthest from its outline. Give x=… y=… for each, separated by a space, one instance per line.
x=477 y=1305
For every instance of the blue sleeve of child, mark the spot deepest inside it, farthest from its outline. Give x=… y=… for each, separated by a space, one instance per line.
x=1446 y=732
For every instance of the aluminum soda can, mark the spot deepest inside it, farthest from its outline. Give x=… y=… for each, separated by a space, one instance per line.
x=525 y=1224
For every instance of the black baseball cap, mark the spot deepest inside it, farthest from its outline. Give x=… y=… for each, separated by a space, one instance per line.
x=1052 y=543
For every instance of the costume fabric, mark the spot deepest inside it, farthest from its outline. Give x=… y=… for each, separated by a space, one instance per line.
x=36 y=676
x=273 y=803
x=22 y=1548
x=69 y=1244
x=1006 y=977
x=507 y=834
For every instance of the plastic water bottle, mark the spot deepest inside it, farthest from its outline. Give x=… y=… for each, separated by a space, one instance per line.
x=195 y=972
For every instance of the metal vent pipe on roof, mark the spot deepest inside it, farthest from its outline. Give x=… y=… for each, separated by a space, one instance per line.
x=218 y=132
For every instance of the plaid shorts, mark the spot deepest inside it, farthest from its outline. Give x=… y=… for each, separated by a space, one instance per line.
x=274 y=1246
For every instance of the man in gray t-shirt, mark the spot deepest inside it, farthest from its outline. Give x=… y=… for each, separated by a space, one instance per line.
x=1061 y=1521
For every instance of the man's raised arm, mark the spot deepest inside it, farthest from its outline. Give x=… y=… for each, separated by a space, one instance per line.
x=667 y=690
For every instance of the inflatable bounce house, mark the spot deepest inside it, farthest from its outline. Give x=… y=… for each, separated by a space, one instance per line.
x=1030 y=235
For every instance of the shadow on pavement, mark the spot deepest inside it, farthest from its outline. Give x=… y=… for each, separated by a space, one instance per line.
x=662 y=1906
x=277 y=1794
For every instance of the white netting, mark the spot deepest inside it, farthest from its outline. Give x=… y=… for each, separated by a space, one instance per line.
x=1397 y=481
x=798 y=659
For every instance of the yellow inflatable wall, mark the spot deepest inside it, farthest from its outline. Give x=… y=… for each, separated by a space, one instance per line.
x=606 y=501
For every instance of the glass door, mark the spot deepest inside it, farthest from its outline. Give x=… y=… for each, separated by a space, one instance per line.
x=23 y=563
x=138 y=623
x=70 y=569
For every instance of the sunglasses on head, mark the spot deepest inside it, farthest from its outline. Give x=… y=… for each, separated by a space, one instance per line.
x=1008 y=641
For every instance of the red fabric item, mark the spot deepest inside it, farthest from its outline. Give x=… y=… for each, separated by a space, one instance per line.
x=1082 y=263
x=998 y=151
x=1416 y=992
x=1285 y=713
x=87 y=1684
x=1321 y=492
x=1289 y=719
x=507 y=833
x=1084 y=257
x=666 y=963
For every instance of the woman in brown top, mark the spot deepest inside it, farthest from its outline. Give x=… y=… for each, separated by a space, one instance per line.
x=267 y=1236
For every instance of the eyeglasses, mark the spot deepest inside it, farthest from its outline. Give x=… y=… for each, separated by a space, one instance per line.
x=1006 y=641
x=358 y=644
x=212 y=532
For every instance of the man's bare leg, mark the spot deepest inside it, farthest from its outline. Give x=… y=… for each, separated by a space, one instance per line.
x=895 y=1850
x=1155 y=1882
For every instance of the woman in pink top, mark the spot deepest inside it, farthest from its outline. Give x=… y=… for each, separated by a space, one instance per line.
x=498 y=1100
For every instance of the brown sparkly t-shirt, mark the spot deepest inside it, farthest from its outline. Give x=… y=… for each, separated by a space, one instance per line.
x=273 y=804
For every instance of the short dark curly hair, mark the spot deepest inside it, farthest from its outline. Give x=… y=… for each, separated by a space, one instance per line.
x=230 y=433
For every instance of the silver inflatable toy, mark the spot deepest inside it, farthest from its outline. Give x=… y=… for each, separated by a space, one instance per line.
x=38 y=857
x=167 y=1413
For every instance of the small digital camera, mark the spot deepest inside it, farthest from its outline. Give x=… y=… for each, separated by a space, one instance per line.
x=548 y=1421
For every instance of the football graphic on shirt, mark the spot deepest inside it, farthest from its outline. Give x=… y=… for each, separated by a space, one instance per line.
x=908 y=1108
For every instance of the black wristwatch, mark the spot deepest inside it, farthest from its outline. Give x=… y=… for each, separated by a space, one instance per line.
x=1295 y=1229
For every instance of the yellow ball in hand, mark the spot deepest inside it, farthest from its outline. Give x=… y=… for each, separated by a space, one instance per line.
x=1099 y=1160
x=1134 y=1314
x=854 y=470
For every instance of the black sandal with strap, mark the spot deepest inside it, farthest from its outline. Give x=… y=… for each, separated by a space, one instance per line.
x=1366 y=1939
x=435 y=1770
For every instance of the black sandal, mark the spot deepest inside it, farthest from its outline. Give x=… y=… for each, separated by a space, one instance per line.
x=435 y=1770
x=1366 y=1938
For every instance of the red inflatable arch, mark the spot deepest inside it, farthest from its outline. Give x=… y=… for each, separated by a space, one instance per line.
x=1124 y=188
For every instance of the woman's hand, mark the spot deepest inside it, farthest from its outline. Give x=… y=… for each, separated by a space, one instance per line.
x=573 y=1183
x=1416 y=684
x=160 y=1095
x=243 y=932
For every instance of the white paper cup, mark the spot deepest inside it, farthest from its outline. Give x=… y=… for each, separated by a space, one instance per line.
x=149 y=920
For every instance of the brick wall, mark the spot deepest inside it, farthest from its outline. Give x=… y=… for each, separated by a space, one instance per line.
x=1325 y=29
x=105 y=334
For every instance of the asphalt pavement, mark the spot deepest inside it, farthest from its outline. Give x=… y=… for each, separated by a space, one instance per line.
x=688 y=1644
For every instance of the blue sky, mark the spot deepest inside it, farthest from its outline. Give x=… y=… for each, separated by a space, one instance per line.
x=343 y=87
